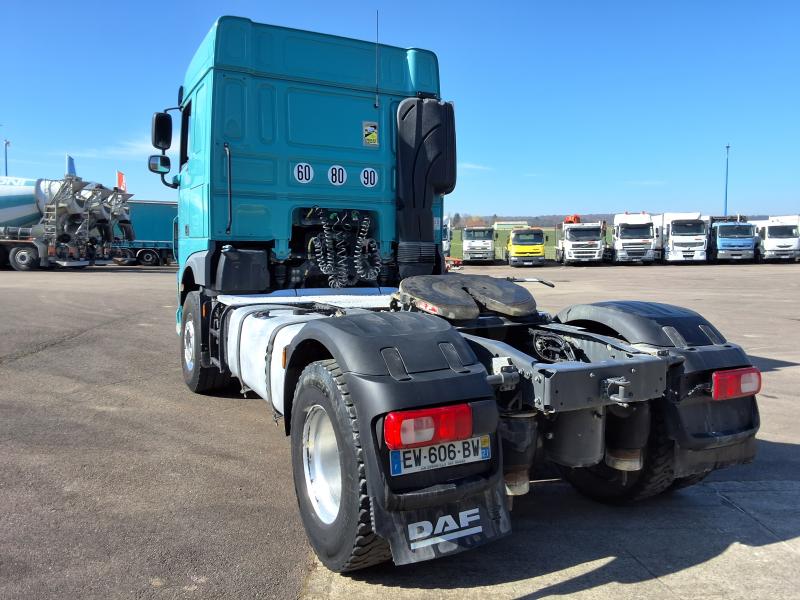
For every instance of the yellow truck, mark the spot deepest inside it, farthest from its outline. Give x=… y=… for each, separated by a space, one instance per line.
x=525 y=247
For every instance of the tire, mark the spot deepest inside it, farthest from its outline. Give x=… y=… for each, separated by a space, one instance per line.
x=199 y=379
x=684 y=482
x=24 y=258
x=148 y=258
x=604 y=484
x=334 y=505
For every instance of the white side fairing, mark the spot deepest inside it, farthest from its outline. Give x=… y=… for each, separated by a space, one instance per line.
x=257 y=334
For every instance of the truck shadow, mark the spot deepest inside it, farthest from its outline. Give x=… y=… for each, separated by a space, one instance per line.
x=566 y=544
x=767 y=365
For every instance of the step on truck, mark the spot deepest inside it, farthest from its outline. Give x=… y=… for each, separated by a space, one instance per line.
x=731 y=238
x=152 y=223
x=580 y=242
x=778 y=238
x=681 y=237
x=633 y=238
x=416 y=402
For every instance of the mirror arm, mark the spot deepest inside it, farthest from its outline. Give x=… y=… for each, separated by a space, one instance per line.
x=169 y=184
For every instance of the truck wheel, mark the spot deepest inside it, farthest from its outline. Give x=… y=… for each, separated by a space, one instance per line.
x=148 y=258
x=604 y=484
x=199 y=379
x=24 y=258
x=688 y=481
x=329 y=474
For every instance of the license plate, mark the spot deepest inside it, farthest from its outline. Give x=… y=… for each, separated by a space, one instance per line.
x=439 y=456
x=527 y=263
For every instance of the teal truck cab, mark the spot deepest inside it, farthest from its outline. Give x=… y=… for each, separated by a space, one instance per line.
x=310 y=183
x=731 y=238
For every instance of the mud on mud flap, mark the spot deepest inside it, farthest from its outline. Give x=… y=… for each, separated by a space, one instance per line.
x=426 y=533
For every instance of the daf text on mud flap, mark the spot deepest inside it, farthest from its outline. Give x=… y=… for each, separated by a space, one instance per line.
x=423 y=533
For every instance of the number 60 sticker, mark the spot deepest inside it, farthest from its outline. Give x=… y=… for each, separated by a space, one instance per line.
x=369 y=177
x=303 y=172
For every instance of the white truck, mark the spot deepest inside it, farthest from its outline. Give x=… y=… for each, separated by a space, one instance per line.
x=580 y=242
x=478 y=244
x=778 y=238
x=681 y=237
x=447 y=236
x=633 y=238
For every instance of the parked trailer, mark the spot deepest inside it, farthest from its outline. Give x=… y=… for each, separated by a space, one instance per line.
x=633 y=238
x=681 y=237
x=153 y=224
x=416 y=402
x=580 y=242
x=778 y=238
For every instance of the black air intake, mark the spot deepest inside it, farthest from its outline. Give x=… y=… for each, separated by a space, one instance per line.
x=426 y=167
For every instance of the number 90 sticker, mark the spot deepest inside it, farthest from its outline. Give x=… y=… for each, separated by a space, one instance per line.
x=303 y=172
x=369 y=177
x=337 y=175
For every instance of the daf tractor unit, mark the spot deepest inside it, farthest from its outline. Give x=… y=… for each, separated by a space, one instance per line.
x=580 y=242
x=525 y=247
x=777 y=238
x=477 y=244
x=633 y=238
x=416 y=402
x=731 y=238
x=681 y=237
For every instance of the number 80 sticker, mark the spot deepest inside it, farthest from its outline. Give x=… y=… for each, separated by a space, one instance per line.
x=337 y=175
x=369 y=177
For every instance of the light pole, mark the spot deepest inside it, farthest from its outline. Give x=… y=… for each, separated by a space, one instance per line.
x=727 y=151
x=6 y=144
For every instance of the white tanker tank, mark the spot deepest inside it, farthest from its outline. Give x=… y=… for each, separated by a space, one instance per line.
x=21 y=201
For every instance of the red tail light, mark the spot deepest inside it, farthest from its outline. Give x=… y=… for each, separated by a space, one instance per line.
x=735 y=383
x=413 y=428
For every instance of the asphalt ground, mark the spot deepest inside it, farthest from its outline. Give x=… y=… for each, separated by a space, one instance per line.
x=116 y=481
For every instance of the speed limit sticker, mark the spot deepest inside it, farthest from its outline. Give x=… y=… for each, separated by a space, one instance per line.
x=369 y=177
x=303 y=172
x=337 y=175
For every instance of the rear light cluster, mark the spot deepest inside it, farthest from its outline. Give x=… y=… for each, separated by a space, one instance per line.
x=414 y=428
x=735 y=383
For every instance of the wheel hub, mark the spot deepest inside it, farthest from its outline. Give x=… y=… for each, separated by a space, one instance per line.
x=323 y=474
x=188 y=345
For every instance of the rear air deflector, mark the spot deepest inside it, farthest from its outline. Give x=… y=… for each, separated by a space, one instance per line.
x=426 y=168
x=463 y=297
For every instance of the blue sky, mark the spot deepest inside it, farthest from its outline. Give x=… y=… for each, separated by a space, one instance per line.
x=560 y=106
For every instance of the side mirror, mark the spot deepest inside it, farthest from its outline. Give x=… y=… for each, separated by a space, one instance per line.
x=496 y=235
x=547 y=238
x=159 y=163
x=162 y=130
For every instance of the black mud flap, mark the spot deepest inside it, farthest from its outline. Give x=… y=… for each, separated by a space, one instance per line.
x=428 y=533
